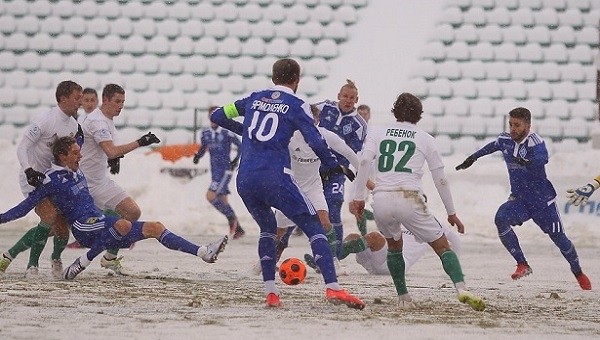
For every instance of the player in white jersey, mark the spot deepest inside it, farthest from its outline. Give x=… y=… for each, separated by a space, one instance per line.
x=89 y=103
x=35 y=155
x=98 y=151
x=400 y=150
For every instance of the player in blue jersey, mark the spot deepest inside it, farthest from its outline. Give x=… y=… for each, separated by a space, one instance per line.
x=66 y=186
x=265 y=181
x=532 y=195
x=217 y=141
x=341 y=118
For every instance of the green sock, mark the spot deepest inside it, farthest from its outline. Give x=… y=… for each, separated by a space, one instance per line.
x=353 y=247
x=452 y=266
x=113 y=251
x=332 y=239
x=60 y=243
x=368 y=215
x=395 y=263
x=29 y=238
x=362 y=225
x=38 y=242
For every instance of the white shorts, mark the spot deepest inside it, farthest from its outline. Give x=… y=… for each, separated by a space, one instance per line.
x=394 y=209
x=375 y=262
x=108 y=195
x=315 y=196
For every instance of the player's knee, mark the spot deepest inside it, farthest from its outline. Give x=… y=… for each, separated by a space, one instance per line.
x=211 y=196
x=153 y=229
x=123 y=226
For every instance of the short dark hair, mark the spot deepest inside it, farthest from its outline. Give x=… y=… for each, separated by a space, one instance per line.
x=110 y=90
x=407 y=108
x=62 y=146
x=521 y=113
x=285 y=71
x=89 y=90
x=65 y=88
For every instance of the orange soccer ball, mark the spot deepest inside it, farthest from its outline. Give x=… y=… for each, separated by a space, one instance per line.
x=292 y=271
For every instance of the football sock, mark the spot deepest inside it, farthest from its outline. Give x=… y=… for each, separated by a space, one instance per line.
x=368 y=215
x=36 y=234
x=110 y=212
x=395 y=263
x=112 y=252
x=361 y=223
x=332 y=240
x=339 y=235
x=223 y=208
x=60 y=243
x=176 y=242
x=353 y=247
x=568 y=250
x=452 y=266
x=318 y=242
x=266 y=249
x=270 y=287
x=511 y=242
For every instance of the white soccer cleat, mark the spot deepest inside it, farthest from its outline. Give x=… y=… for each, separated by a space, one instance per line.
x=211 y=251
x=115 y=265
x=57 y=269
x=73 y=270
x=32 y=273
x=405 y=301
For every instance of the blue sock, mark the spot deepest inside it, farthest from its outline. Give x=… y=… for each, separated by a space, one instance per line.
x=511 y=242
x=318 y=242
x=568 y=251
x=266 y=247
x=223 y=208
x=176 y=242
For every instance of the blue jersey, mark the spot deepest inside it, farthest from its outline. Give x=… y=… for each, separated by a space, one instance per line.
x=218 y=143
x=68 y=190
x=351 y=127
x=270 y=118
x=527 y=182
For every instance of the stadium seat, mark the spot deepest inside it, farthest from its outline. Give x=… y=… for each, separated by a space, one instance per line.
x=179 y=11
x=110 y=44
x=585 y=109
x=523 y=16
x=475 y=15
x=449 y=69
x=27 y=97
x=160 y=82
x=498 y=70
x=8 y=24
x=547 y=71
x=494 y=125
x=52 y=62
x=278 y=47
x=500 y=16
x=587 y=35
x=140 y=118
x=168 y=28
x=207 y=46
x=63 y=9
x=536 y=107
x=514 y=34
x=234 y=83
x=99 y=63
x=219 y=65
x=264 y=66
x=302 y=48
x=539 y=35
x=457 y=106
x=258 y=82
x=443 y=33
x=514 y=89
x=522 y=71
x=41 y=80
x=216 y=28
x=503 y=106
x=482 y=107
x=28 y=61
x=425 y=69
x=586 y=91
x=433 y=106
x=547 y=16
x=197 y=100
x=356 y=3
x=322 y=14
x=88 y=79
x=309 y=86
x=137 y=82
x=8 y=132
x=16 y=115
x=509 y=4
x=191 y=29
x=203 y=11
x=428 y=124
x=491 y=34
x=557 y=52
x=467 y=144
x=489 y=89
x=449 y=125
x=210 y=83
x=577 y=128
x=226 y=12
x=346 y=14
x=230 y=47
x=298 y=13
x=174 y=100
x=75 y=62
x=459 y=50
x=171 y=64
x=565 y=90
x=42 y=9
x=251 y=13
x=221 y=98
x=531 y=52
x=564 y=35
x=337 y=31
x=444 y=144
x=485 y=4
x=147 y=64
x=549 y=128
x=466 y=33
x=582 y=5
x=263 y=29
x=316 y=67
x=239 y=29
x=440 y=87
x=178 y=136
x=28 y=25
x=156 y=10
x=568 y=145
x=571 y=17
x=484 y=51
x=539 y=89
x=326 y=48
x=185 y=83
x=417 y=86
x=312 y=30
x=287 y=30
x=434 y=50
x=451 y=15
x=16 y=42
x=109 y=10
x=558 y=108
x=150 y=100
x=506 y=51
x=582 y=54
x=558 y=5
x=254 y=47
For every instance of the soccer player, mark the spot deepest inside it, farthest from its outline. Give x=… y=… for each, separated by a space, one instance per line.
x=218 y=142
x=35 y=155
x=100 y=150
x=341 y=118
x=400 y=150
x=532 y=195
x=265 y=181
x=89 y=103
x=365 y=112
x=66 y=185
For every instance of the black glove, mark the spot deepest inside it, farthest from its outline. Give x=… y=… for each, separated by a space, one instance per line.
x=196 y=158
x=467 y=163
x=115 y=165
x=234 y=162
x=0 y=218
x=521 y=161
x=340 y=169
x=148 y=139
x=34 y=178
x=79 y=135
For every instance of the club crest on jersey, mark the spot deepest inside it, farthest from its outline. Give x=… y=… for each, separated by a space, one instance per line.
x=346 y=129
x=275 y=95
x=523 y=152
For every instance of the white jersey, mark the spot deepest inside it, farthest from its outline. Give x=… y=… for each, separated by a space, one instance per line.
x=305 y=163
x=35 y=149
x=400 y=149
x=97 y=128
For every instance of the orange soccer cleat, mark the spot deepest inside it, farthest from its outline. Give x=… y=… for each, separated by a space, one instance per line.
x=522 y=270
x=338 y=297
x=273 y=300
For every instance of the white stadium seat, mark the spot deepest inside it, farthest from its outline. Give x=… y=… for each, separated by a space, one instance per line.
x=156 y=10
x=203 y=12
x=219 y=65
x=522 y=71
x=538 y=34
x=578 y=128
x=317 y=67
x=523 y=16
x=466 y=33
x=531 y=52
x=556 y=52
x=425 y=69
x=168 y=28
x=514 y=89
x=491 y=34
x=587 y=35
x=179 y=11
x=17 y=80
x=484 y=51
x=274 y=13
x=539 y=89
x=29 y=61
x=440 y=87
x=433 y=106
x=336 y=30
x=547 y=16
x=506 y=51
x=160 y=82
x=475 y=15
x=16 y=42
x=499 y=16
x=457 y=106
x=302 y=48
x=559 y=109
x=417 y=86
x=298 y=14
x=278 y=47
x=585 y=109
x=434 y=50
x=185 y=83
x=582 y=54
x=239 y=29
x=110 y=10
x=234 y=83
x=287 y=30
x=482 y=107
x=251 y=13
x=586 y=91
x=498 y=70
x=536 y=107
x=216 y=28
x=191 y=29
x=76 y=62
x=52 y=62
x=99 y=27
x=209 y=83
x=489 y=89
x=312 y=30
x=206 y=46
x=227 y=12
x=174 y=100
x=41 y=80
x=449 y=69
x=28 y=25
x=571 y=17
x=564 y=35
x=443 y=33
x=515 y=34
x=458 y=51
x=110 y=44
x=503 y=106
x=547 y=71
x=549 y=128
x=565 y=90
x=63 y=9
x=254 y=47
x=41 y=9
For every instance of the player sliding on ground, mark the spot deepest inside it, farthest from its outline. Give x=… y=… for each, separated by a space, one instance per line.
x=66 y=185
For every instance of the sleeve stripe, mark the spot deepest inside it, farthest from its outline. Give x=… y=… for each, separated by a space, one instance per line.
x=230 y=111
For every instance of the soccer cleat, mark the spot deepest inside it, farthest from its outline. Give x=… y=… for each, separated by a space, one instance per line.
x=32 y=273
x=405 y=301
x=338 y=297
x=584 y=281
x=239 y=232
x=73 y=270
x=273 y=300
x=523 y=269
x=115 y=265
x=310 y=261
x=470 y=299
x=57 y=268
x=211 y=251
x=4 y=263
x=74 y=245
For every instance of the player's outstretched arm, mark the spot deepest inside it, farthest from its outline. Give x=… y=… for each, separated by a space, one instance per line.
x=581 y=195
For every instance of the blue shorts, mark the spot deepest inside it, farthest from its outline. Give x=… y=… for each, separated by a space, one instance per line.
x=334 y=189
x=516 y=211
x=221 y=186
x=89 y=231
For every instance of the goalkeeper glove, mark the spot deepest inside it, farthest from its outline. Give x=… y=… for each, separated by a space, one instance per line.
x=148 y=139
x=115 y=165
x=467 y=163
x=339 y=169
x=34 y=178
x=581 y=195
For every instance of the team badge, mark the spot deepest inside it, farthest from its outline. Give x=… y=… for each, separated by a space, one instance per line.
x=275 y=95
x=523 y=152
x=347 y=129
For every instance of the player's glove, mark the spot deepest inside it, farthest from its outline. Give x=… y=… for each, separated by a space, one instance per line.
x=467 y=163
x=196 y=158
x=34 y=178
x=148 y=139
x=521 y=161
x=340 y=169
x=581 y=195
x=234 y=162
x=79 y=135
x=115 y=165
